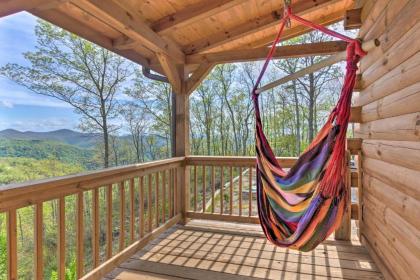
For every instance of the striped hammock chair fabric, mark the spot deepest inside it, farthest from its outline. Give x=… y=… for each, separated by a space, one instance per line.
x=301 y=207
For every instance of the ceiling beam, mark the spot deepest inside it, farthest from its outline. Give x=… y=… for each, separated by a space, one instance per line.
x=171 y=72
x=289 y=51
x=252 y=26
x=193 y=13
x=198 y=76
x=130 y=25
x=72 y=25
x=296 y=31
x=8 y=7
x=353 y=19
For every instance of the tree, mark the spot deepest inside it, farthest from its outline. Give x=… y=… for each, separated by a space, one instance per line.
x=73 y=70
x=136 y=119
x=154 y=98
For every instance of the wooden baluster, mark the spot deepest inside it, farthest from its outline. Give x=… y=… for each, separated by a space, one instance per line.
x=95 y=231
x=141 y=206
x=343 y=232
x=122 y=216
x=80 y=236
x=157 y=198
x=11 y=245
x=231 y=190
x=222 y=185
x=195 y=188
x=212 y=188
x=131 y=182
x=61 y=239
x=109 y=222
x=171 y=198
x=250 y=192
x=39 y=257
x=164 y=196
x=240 y=191
x=176 y=202
x=149 y=202
x=204 y=188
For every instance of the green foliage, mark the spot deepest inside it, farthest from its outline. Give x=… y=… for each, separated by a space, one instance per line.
x=23 y=169
x=39 y=149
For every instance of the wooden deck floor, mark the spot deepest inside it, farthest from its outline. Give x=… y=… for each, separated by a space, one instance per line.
x=216 y=250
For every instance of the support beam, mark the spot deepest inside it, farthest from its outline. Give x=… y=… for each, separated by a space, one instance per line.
x=311 y=49
x=171 y=72
x=366 y=46
x=197 y=77
x=297 y=30
x=70 y=24
x=298 y=74
x=353 y=19
x=194 y=13
x=9 y=7
x=252 y=26
x=129 y=24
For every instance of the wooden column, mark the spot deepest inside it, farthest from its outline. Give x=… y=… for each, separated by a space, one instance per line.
x=344 y=231
x=182 y=149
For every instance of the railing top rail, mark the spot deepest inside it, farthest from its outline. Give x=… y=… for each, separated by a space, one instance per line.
x=234 y=160
x=82 y=180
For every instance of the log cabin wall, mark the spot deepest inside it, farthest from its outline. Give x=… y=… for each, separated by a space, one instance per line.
x=390 y=128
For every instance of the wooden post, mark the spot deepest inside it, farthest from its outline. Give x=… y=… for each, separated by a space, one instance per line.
x=344 y=231
x=182 y=149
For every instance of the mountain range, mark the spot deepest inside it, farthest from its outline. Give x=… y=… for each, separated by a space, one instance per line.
x=71 y=137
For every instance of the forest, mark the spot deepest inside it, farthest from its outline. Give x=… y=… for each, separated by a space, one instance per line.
x=113 y=98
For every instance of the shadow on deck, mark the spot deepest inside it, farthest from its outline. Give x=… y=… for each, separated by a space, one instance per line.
x=220 y=250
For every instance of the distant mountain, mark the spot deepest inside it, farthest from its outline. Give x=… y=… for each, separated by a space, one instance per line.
x=71 y=137
x=44 y=149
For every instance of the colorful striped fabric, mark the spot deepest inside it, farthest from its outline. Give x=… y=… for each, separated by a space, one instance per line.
x=300 y=208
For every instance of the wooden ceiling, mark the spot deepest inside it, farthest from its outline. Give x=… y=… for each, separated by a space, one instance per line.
x=147 y=31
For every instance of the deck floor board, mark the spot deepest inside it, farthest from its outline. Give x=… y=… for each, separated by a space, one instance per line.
x=218 y=250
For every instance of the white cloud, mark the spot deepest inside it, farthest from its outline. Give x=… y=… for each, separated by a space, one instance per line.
x=14 y=96
x=6 y=104
x=39 y=125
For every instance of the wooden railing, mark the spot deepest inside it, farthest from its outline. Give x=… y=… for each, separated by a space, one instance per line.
x=131 y=205
x=223 y=188
x=148 y=202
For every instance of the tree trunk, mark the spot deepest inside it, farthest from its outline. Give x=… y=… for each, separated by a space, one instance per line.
x=297 y=114
x=311 y=107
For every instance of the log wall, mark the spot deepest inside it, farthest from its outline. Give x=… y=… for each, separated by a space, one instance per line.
x=390 y=128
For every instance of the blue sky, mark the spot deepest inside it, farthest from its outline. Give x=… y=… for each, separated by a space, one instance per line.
x=20 y=108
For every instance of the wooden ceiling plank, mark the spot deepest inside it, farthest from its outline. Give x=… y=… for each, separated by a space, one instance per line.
x=289 y=51
x=171 y=71
x=8 y=7
x=128 y=24
x=253 y=26
x=193 y=13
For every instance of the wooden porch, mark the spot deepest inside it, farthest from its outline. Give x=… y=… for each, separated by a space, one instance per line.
x=152 y=236
x=222 y=250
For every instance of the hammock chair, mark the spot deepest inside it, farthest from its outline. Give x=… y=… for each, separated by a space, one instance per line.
x=301 y=207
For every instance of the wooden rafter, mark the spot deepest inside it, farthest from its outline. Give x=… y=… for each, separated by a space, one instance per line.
x=353 y=19
x=130 y=25
x=296 y=31
x=252 y=26
x=8 y=7
x=172 y=73
x=68 y=23
x=193 y=13
x=198 y=76
x=323 y=48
